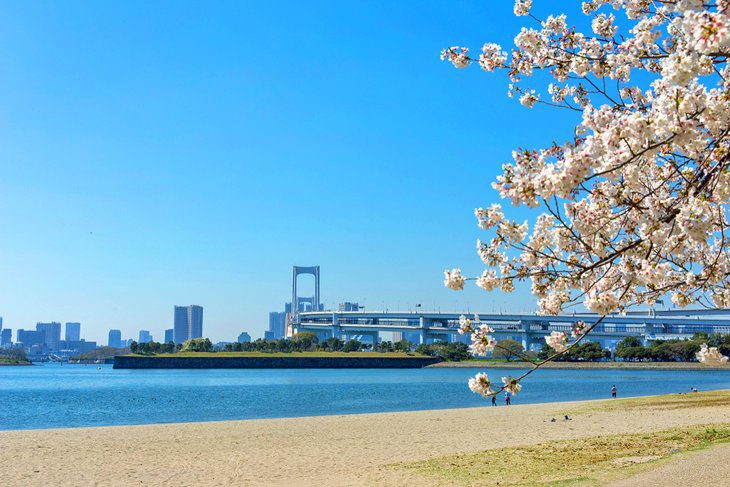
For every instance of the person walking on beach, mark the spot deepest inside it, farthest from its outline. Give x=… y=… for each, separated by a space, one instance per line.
x=613 y=392
x=507 y=399
x=494 y=400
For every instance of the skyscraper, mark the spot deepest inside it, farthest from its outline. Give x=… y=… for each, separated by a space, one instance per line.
x=29 y=337
x=52 y=332
x=144 y=336
x=277 y=324
x=196 y=321
x=73 y=332
x=169 y=335
x=5 y=338
x=244 y=338
x=115 y=339
x=188 y=323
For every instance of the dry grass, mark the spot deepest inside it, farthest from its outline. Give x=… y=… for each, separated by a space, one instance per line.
x=664 y=402
x=587 y=461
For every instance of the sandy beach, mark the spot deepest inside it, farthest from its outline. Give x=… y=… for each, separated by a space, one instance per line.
x=330 y=450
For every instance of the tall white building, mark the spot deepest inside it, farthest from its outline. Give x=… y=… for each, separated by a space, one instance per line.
x=188 y=323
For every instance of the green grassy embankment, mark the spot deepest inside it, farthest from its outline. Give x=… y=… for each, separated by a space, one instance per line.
x=13 y=361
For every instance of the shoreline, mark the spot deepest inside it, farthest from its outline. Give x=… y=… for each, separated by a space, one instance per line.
x=557 y=404
x=579 y=402
x=474 y=364
x=360 y=449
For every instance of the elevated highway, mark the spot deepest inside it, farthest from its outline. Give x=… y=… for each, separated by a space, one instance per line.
x=526 y=328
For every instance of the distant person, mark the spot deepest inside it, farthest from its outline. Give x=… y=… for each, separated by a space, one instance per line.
x=507 y=399
x=693 y=389
x=613 y=392
x=494 y=400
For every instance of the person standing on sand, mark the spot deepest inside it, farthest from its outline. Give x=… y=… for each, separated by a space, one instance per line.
x=613 y=392
x=507 y=399
x=494 y=400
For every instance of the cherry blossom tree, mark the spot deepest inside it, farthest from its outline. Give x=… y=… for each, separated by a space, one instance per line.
x=632 y=206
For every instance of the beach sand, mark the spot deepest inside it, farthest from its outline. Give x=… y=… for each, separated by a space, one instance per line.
x=325 y=450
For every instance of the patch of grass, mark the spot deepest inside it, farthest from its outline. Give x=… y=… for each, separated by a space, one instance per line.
x=293 y=354
x=586 y=461
x=665 y=402
x=12 y=361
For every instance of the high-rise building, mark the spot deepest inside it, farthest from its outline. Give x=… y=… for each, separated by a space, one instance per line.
x=269 y=335
x=277 y=324
x=170 y=335
x=196 y=321
x=30 y=337
x=244 y=338
x=6 y=338
x=115 y=339
x=52 y=332
x=188 y=323
x=144 y=336
x=73 y=332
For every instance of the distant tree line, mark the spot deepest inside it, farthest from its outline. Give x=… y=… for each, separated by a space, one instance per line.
x=151 y=348
x=301 y=342
x=629 y=349
x=452 y=352
x=306 y=342
x=674 y=350
x=583 y=352
x=14 y=354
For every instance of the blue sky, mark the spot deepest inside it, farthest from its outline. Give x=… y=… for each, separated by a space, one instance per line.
x=154 y=154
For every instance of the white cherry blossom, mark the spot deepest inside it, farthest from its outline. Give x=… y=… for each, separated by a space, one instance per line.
x=480 y=384
x=711 y=355
x=631 y=206
x=557 y=340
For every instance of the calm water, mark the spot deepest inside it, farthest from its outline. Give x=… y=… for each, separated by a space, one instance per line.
x=55 y=396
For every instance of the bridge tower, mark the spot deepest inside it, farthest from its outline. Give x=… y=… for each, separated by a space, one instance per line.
x=298 y=271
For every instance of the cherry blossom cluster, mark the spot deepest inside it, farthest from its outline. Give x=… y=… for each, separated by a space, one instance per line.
x=557 y=340
x=633 y=204
x=481 y=341
x=711 y=355
x=480 y=384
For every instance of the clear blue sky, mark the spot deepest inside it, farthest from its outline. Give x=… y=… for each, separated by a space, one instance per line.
x=154 y=154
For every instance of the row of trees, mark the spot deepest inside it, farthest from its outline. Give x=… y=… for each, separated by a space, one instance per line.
x=14 y=354
x=309 y=342
x=583 y=352
x=301 y=342
x=192 y=345
x=452 y=352
x=629 y=349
